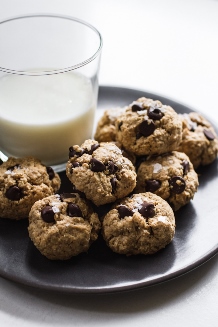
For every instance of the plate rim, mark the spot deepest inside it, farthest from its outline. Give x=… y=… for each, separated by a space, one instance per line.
x=129 y=285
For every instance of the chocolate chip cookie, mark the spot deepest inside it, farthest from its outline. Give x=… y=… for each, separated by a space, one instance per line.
x=199 y=139
x=171 y=176
x=105 y=130
x=141 y=224
x=63 y=226
x=100 y=171
x=149 y=127
x=23 y=181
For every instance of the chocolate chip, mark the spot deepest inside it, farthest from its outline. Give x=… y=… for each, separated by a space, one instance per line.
x=94 y=147
x=113 y=184
x=177 y=184
x=47 y=214
x=209 y=135
x=1 y=162
x=96 y=165
x=124 y=211
x=147 y=210
x=14 y=167
x=138 y=135
x=73 y=153
x=186 y=167
x=155 y=113
x=137 y=106
x=73 y=210
x=112 y=167
x=152 y=185
x=50 y=172
x=146 y=128
x=75 y=164
x=14 y=193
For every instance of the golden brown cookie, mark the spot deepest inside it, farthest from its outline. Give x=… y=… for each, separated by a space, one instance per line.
x=148 y=127
x=199 y=139
x=23 y=181
x=171 y=176
x=141 y=224
x=100 y=171
x=63 y=226
x=105 y=130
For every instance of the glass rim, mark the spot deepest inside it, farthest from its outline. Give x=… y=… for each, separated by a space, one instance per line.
x=54 y=71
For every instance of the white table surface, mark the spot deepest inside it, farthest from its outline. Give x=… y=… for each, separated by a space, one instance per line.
x=168 y=47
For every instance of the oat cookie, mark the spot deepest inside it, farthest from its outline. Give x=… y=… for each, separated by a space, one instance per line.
x=171 y=176
x=141 y=224
x=149 y=127
x=62 y=226
x=100 y=171
x=23 y=181
x=199 y=139
x=105 y=130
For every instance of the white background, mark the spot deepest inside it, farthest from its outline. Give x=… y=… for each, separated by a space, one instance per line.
x=168 y=47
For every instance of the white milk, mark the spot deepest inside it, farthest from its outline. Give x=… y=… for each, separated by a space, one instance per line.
x=44 y=115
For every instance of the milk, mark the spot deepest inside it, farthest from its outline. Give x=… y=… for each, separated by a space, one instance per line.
x=44 y=115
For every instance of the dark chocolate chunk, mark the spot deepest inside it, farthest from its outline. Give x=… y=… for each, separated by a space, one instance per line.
x=124 y=211
x=94 y=147
x=137 y=106
x=138 y=135
x=47 y=214
x=186 y=167
x=177 y=184
x=152 y=185
x=209 y=135
x=96 y=165
x=113 y=184
x=155 y=113
x=14 y=167
x=14 y=193
x=1 y=162
x=75 y=164
x=146 y=128
x=112 y=167
x=147 y=210
x=50 y=172
x=73 y=210
x=73 y=152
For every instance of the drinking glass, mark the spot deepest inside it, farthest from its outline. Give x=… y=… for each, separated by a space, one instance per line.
x=49 y=66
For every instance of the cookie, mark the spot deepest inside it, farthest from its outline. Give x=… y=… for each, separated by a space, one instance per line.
x=100 y=171
x=148 y=127
x=105 y=130
x=141 y=224
x=23 y=181
x=171 y=176
x=199 y=139
x=63 y=226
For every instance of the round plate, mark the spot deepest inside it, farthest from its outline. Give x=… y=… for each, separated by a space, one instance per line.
x=101 y=270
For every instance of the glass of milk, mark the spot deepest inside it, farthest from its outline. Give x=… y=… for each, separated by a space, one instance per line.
x=49 y=68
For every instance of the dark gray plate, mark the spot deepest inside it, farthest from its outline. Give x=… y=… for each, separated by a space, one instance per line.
x=100 y=270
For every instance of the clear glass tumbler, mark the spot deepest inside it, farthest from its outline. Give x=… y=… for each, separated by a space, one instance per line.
x=49 y=67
